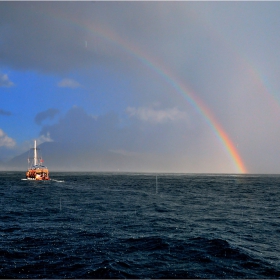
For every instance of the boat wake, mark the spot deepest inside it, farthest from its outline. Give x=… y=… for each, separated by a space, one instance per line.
x=58 y=181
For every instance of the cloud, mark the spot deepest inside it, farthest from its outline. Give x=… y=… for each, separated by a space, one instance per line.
x=102 y=142
x=84 y=129
x=5 y=81
x=50 y=42
x=5 y=140
x=134 y=53
x=44 y=138
x=5 y=113
x=48 y=114
x=68 y=83
x=157 y=116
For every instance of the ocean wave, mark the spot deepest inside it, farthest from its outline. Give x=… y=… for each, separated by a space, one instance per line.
x=101 y=226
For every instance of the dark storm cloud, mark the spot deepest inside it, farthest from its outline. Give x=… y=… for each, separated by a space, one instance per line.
x=5 y=113
x=219 y=51
x=33 y=39
x=48 y=114
x=51 y=36
x=60 y=37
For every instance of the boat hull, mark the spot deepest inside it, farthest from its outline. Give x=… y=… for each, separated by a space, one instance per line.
x=37 y=179
x=38 y=174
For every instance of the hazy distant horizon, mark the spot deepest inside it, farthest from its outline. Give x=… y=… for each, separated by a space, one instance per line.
x=186 y=87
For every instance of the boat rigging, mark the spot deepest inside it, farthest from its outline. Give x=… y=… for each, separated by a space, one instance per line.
x=37 y=171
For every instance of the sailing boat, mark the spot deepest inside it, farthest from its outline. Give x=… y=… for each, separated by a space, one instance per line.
x=37 y=171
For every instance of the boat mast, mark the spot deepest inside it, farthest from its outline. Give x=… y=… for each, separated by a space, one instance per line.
x=35 y=153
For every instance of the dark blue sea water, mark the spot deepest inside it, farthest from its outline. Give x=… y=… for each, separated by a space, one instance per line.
x=94 y=225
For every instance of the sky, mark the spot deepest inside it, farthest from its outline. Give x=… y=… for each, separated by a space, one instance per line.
x=187 y=87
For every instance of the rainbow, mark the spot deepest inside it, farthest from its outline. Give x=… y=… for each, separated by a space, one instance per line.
x=215 y=126
x=193 y=99
x=196 y=103
x=252 y=70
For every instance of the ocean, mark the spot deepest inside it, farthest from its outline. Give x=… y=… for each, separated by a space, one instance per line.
x=118 y=225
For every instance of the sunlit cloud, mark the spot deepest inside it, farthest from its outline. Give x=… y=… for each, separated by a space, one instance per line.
x=44 y=138
x=68 y=83
x=5 y=140
x=39 y=140
x=5 y=81
x=157 y=115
